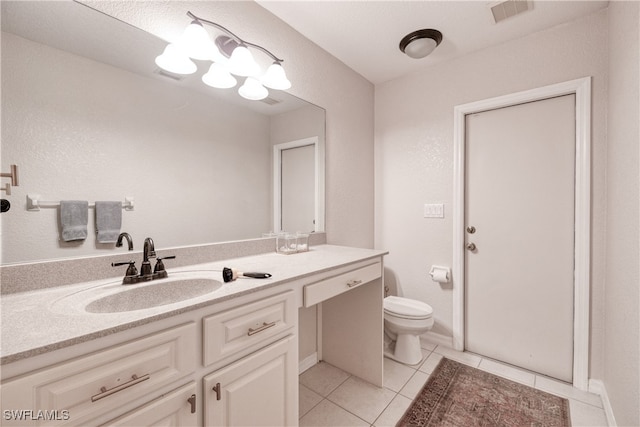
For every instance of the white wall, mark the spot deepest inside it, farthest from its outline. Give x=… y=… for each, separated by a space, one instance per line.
x=414 y=148
x=316 y=77
x=301 y=123
x=622 y=295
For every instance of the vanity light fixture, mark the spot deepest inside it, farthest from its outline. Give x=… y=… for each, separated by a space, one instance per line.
x=421 y=43
x=229 y=54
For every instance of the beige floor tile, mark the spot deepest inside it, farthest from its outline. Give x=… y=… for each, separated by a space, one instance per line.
x=362 y=399
x=323 y=378
x=396 y=374
x=307 y=400
x=393 y=412
x=329 y=414
x=415 y=384
x=430 y=363
x=583 y=415
x=353 y=402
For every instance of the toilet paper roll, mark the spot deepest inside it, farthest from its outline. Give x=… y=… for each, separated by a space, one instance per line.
x=440 y=274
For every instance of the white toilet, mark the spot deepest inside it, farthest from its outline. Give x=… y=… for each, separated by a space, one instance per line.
x=404 y=320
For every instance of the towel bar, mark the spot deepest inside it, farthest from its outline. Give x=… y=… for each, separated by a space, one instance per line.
x=34 y=203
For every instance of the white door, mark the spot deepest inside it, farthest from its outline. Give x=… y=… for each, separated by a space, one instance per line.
x=298 y=189
x=519 y=215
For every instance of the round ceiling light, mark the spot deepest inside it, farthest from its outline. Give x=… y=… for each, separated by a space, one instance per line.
x=421 y=43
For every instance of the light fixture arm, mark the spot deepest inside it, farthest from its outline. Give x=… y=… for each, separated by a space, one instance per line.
x=238 y=39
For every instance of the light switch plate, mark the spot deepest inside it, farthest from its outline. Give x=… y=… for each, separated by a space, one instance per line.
x=434 y=210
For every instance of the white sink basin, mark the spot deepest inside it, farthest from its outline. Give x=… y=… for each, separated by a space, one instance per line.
x=114 y=297
x=138 y=297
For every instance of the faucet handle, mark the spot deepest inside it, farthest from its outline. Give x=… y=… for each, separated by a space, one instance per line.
x=160 y=265
x=131 y=270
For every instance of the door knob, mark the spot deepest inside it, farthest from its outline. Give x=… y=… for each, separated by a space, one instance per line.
x=471 y=229
x=471 y=246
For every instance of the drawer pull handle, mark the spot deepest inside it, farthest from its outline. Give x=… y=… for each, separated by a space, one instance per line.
x=264 y=326
x=133 y=381
x=353 y=283
x=217 y=389
x=192 y=402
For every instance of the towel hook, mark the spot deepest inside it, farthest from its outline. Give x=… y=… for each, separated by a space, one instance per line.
x=14 y=179
x=13 y=175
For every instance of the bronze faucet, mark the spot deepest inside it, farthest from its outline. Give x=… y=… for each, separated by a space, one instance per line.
x=148 y=251
x=146 y=274
x=129 y=240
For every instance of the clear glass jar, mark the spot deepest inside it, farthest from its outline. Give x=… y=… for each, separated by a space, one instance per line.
x=287 y=243
x=302 y=242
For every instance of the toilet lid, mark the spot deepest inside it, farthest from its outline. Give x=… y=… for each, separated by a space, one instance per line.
x=408 y=308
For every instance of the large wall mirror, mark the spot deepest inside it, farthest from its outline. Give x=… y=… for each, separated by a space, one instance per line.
x=87 y=116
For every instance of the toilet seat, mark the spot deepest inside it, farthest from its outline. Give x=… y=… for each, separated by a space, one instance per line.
x=406 y=308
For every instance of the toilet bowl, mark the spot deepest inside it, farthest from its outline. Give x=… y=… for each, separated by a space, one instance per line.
x=404 y=320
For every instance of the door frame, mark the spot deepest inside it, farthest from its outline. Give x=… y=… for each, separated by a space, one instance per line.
x=318 y=188
x=582 y=90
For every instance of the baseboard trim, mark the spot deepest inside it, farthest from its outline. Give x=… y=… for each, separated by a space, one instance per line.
x=437 y=339
x=597 y=387
x=307 y=363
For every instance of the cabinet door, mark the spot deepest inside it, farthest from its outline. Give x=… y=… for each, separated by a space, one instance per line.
x=176 y=408
x=258 y=390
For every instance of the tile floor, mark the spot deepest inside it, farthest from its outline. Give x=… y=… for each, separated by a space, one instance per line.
x=331 y=397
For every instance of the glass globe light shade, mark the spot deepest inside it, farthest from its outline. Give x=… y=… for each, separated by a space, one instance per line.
x=175 y=61
x=196 y=43
x=219 y=77
x=242 y=63
x=275 y=77
x=252 y=89
x=421 y=47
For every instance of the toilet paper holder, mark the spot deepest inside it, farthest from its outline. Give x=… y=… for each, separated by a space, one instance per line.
x=440 y=274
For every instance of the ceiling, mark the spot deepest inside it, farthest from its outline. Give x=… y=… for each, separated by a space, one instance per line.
x=365 y=34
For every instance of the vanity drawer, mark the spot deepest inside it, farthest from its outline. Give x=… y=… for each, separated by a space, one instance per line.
x=325 y=289
x=88 y=387
x=245 y=327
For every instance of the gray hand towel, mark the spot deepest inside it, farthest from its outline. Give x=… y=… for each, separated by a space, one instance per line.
x=74 y=215
x=108 y=221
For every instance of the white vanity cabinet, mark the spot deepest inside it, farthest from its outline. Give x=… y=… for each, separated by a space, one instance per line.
x=258 y=383
x=248 y=346
x=350 y=318
x=229 y=361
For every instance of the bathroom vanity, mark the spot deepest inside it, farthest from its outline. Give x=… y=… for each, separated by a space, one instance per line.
x=226 y=357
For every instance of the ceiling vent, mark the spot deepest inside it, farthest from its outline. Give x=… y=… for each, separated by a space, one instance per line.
x=173 y=76
x=506 y=9
x=270 y=101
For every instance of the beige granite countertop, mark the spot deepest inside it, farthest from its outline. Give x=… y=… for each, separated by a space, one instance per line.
x=39 y=321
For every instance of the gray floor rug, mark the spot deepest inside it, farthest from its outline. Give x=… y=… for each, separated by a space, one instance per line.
x=458 y=395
